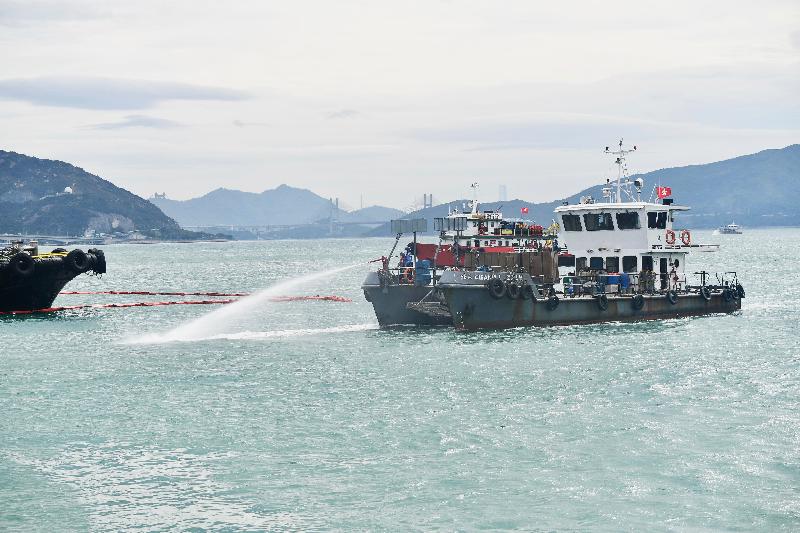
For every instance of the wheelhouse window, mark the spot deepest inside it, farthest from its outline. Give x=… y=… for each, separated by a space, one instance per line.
x=595 y=263
x=628 y=220
x=612 y=264
x=629 y=263
x=580 y=264
x=566 y=260
x=598 y=221
x=657 y=219
x=572 y=222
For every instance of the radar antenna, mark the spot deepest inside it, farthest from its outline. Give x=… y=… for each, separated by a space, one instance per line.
x=622 y=167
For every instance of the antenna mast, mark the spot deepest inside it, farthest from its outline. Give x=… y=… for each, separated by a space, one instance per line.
x=474 y=197
x=622 y=168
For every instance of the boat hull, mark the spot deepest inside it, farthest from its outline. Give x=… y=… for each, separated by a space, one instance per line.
x=390 y=302
x=473 y=308
x=39 y=287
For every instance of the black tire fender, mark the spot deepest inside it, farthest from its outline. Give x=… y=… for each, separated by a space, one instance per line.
x=528 y=292
x=602 y=302
x=672 y=297
x=77 y=261
x=513 y=291
x=638 y=302
x=552 y=302
x=21 y=265
x=497 y=288
x=727 y=294
x=705 y=292
x=97 y=259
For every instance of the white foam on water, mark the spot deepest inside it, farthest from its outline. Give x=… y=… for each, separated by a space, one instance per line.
x=216 y=324
x=256 y=335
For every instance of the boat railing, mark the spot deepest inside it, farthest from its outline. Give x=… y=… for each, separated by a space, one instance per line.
x=646 y=282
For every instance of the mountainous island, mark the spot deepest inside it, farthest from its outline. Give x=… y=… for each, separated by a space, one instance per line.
x=287 y=211
x=754 y=190
x=46 y=197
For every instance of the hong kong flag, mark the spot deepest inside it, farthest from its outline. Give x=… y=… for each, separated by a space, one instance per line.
x=664 y=192
x=523 y=210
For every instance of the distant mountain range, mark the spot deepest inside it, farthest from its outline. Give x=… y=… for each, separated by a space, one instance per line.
x=45 y=197
x=753 y=190
x=282 y=206
x=40 y=196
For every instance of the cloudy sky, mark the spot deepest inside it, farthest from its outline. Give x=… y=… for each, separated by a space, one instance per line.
x=388 y=100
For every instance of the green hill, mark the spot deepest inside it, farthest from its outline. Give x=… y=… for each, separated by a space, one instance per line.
x=33 y=201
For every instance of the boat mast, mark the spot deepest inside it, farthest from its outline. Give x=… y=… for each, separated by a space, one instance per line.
x=621 y=166
x=474 y=187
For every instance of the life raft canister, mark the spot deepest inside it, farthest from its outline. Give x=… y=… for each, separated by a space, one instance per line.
x=670 y=238
x=686 y=237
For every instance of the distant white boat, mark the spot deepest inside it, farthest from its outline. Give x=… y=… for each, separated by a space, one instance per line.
x=730 y=229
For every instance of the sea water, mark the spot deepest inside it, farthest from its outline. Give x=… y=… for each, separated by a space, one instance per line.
x=306 y=416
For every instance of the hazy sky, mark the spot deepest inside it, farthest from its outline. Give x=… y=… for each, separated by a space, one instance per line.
x=393 y=99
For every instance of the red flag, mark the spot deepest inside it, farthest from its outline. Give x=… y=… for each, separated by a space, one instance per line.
x=664 y=192
x=524 y=210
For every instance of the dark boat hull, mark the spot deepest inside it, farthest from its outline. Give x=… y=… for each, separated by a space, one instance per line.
x=38 y=288
x=473 y=308
x=390 y=302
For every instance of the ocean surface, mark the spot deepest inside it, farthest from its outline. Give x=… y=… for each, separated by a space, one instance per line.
x=304 y=416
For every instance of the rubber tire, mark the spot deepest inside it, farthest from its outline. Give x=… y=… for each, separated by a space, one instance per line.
x=705 y=292
x=727 y=295
x=513 y=291
x=602 y=302
x=552 y=302
x=97 y=260
x=59 y=251
x=740 y=290
x=497 y=288
x=672 y=297
x=77 y=261
x=528 y=292
x=638 y=302
x=21 y=265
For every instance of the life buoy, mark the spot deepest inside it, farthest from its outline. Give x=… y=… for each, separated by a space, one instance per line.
x=496 y=288
x=705 y=292
x=513 y=291
x=602 y=302
x=670 y=238
x=638 y=302
x=672 y=297
x=552 y=302
x=21 y=264
x=408 y=275
x=686 y=237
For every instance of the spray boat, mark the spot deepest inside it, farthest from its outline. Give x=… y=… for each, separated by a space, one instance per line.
x=622 y=259
x=30 y=280
x=471 y=241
